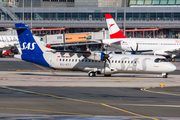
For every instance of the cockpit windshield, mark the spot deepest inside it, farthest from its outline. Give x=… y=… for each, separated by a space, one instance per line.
x=160 y=60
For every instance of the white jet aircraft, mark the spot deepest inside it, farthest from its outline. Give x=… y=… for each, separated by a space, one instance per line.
x=165 y=47
x=91 y=62
x=7 y=42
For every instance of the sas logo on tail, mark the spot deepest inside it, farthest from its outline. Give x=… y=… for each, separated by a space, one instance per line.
x=29 y=46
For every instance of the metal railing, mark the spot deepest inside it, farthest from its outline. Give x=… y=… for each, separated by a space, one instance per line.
x=13 y=16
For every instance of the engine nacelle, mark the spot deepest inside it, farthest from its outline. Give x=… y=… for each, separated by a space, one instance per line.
x=96 y=56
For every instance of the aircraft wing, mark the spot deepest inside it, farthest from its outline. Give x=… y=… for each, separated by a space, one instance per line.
x=79 y=53
x=140 y=51
x=173 y=51
x=90 y=55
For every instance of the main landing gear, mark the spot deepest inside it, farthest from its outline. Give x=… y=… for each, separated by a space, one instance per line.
x=92 y=74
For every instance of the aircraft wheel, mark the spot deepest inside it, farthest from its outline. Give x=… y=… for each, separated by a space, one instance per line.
x=107 y=75
x=91 y=74
x=164 y=76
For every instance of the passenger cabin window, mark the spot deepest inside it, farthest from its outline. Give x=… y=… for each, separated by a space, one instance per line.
x=160 y=60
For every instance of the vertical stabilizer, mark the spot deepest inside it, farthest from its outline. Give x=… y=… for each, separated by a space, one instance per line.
x=114 y=30
x=27 y=42
x=31 y=49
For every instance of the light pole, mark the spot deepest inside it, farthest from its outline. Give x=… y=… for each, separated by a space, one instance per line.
x=116 y=11
x=124 y=17
x=23 y=11
x=31 y=15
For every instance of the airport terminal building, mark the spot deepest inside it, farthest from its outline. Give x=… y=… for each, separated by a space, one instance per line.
x=81 y=14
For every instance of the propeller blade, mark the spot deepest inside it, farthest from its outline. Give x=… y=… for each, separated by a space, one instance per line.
x=104 y=66
x=110 y=53
x=136 y=48
x=109 y=61
x=132 y=50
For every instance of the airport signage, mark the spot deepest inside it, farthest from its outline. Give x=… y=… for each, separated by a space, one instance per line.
x=78 y=37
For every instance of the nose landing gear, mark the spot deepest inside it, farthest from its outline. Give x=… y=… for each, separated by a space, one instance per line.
x=165 y=75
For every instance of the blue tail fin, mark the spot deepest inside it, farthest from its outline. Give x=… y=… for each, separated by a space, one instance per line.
x=27 y=42
x=32 y=49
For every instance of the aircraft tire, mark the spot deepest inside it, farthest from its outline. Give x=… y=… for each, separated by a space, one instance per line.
x=107 y=75
x=91 y=74
x=164 y=76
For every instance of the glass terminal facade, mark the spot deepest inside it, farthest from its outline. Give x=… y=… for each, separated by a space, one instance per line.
x=133 y=13
x=153 y=2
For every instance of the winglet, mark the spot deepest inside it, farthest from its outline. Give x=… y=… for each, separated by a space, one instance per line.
x=113 y=28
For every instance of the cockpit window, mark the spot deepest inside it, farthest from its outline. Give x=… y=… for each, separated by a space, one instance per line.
x=160 y=60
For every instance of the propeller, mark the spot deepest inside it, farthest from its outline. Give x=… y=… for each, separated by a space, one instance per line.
x=105 y=55
x=106 y=58
x=135 y=52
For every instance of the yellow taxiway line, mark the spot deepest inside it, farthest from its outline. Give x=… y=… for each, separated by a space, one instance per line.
x=145 y=89
x=77 y=100
x=44 y=111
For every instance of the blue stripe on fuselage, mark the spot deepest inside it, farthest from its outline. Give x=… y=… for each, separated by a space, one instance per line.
x=35 y=58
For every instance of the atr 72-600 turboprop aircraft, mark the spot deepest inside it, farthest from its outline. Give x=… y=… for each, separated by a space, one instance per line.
x=91 y=62
x=165 y=47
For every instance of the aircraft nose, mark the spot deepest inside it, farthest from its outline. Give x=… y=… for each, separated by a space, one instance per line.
x=172 y=67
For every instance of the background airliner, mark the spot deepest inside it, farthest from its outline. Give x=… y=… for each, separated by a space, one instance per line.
x=91 y=62
x=165 y=47
x=8 y=44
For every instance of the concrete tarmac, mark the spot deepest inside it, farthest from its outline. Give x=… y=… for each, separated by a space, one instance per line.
x=29 y=91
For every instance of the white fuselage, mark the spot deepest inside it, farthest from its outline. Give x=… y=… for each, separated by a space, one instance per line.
x=158 y=46
x=8 y=41
x=118 y=63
